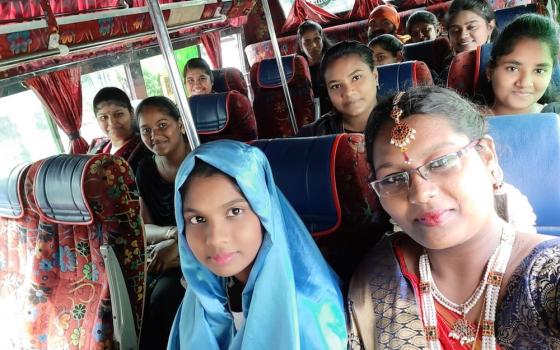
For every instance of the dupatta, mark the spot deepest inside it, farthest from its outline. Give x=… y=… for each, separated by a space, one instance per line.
x=291 y=300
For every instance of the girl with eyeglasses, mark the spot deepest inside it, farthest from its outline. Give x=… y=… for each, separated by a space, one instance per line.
x=459 y=275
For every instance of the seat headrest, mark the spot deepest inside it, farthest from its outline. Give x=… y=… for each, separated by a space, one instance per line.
x=528 y=148
x=11 y=191
x=228 y=79
x=268 y=74
x=220 y=83
x=58 y=190
x=395 y=77
x=209 y=112
x=507 y=15
x=432 y=52
x=304 y=170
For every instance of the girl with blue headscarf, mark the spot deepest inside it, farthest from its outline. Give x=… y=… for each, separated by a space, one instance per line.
x=242 y=241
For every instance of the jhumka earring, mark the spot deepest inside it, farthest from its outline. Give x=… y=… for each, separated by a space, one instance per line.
x=401 y=134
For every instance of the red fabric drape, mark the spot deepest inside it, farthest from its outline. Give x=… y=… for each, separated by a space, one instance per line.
x=362 y=9
x=212 y=44
x=302 y=10
x=61 y=93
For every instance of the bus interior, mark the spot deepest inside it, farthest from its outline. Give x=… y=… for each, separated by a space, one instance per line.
x=72 y=245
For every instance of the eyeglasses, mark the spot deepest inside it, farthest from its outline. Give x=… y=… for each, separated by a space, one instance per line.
x=435 y=171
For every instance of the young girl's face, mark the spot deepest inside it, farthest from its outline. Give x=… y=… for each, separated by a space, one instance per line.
x=198 y=82
x=521 y=78
x=469 y=30
x=422 y=31
x=222 y=230
x=352 y=86
x=312 y=45
x=161 y=133
x=383 y=56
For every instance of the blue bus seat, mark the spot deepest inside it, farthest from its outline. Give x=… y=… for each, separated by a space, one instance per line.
x=432 y=52
x=506 y=15
x=229 y=79
x=401 y=77
x=15 y=221
x=88 y=211
x=270 y=106
x=225 y=115
x=528 y=148
x=325 y=180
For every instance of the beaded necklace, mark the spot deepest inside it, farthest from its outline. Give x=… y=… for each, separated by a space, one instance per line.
x=462 y=329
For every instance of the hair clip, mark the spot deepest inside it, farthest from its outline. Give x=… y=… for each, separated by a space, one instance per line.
x=401 y=134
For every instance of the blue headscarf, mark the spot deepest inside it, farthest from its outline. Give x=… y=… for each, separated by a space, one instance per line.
x=291 y=300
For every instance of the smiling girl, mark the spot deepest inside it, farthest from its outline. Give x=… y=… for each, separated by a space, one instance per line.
x=351 y=80
x=256 y=279
x=521 y=65
x=163 y=133
x=458 y=276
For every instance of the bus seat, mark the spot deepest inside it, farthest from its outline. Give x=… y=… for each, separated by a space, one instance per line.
x=432 y=52
x=270 y=106
x=225 y=115
x=467 y=73
x=87 y=205
x=528 y=147
x=506 y=15
x=228 y=79
x=402 y=76
x=15 y=221
x=325 y=180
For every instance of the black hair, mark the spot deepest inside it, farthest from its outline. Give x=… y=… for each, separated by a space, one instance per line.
x=199 y=63
x=165 y=105
x=463 y=116
x=422 y=16
x=307 y=26
x=387 y=42
x=112 y=95
x=346 y=48
x=528 y=26
x=203 y=169
x=481 y=7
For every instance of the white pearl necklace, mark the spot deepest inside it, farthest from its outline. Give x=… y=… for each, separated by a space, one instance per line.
x=491 y=282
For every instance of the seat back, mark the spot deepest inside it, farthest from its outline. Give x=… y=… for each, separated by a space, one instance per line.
x=325 y=180
x=16 y=220
x=432 y=52
x=85 y=204
x=402 y=76
x=270 y=106
x=467 y=73
x=528 y=147
x=228 y=79
x=226 y=115
x=506 y=15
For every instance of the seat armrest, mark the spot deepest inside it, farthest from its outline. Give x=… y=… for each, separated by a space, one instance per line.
x=123 y=320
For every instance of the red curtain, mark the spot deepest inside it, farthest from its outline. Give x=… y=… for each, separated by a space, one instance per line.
x=302 y=10
x=212 y=44
x=362 y=9
x=22 y=9
x=61 y=93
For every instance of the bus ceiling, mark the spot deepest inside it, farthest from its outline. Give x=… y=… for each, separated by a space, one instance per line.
x=30 y=44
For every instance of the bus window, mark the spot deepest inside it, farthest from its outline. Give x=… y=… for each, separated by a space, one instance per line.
x=25 y=133
x=155 y=73
x=332 y=6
